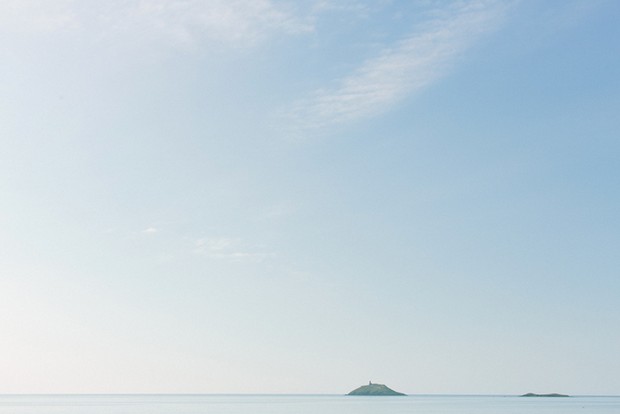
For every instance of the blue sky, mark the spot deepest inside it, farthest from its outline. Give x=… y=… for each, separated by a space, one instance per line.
x=274 y=196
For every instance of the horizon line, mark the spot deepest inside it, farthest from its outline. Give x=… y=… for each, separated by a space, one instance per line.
x=271 y=394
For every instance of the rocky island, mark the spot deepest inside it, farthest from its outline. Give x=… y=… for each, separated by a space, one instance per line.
x=531 y=394
x=374 y=390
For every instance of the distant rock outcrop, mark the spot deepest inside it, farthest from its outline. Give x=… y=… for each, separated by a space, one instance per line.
x=375 y=390
x=531 y=394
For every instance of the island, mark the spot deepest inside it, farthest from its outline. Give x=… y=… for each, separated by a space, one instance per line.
x=374 y=390
x=531 y=394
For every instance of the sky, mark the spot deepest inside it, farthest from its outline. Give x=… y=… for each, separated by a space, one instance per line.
x=276 y=196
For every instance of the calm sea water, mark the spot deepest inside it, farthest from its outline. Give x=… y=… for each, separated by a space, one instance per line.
x=297 y=404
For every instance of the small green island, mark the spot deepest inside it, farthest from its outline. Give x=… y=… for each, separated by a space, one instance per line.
x=374 y=390
x=531 y=394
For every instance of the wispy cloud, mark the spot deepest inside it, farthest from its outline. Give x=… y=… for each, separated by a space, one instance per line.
x=150 y=230
x=349 y=6
x=232 y=249
x=278 y=210
x=229 y=21
x=184 y=23
x=414 y=62
x=37 y=16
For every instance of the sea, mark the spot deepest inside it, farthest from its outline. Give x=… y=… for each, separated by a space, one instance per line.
x=303 y=404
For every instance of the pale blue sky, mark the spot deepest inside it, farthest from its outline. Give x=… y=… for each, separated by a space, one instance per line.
x=271 y=196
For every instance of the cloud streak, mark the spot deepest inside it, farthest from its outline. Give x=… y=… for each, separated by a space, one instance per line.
x=418 y=60
x=230 y=249
x=182 y=23
x=33 y=16
x=150 y=230
x=229 y=21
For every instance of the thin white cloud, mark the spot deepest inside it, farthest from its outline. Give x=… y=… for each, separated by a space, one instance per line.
x=349 y=6
x=413 y=63
x=184 y=23
x=150 y=230
x=278 y=210
x=235 y=22
x=232 y=249
x=23 y=16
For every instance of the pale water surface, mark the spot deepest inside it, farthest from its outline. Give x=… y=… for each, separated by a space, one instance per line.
x=301 y=404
